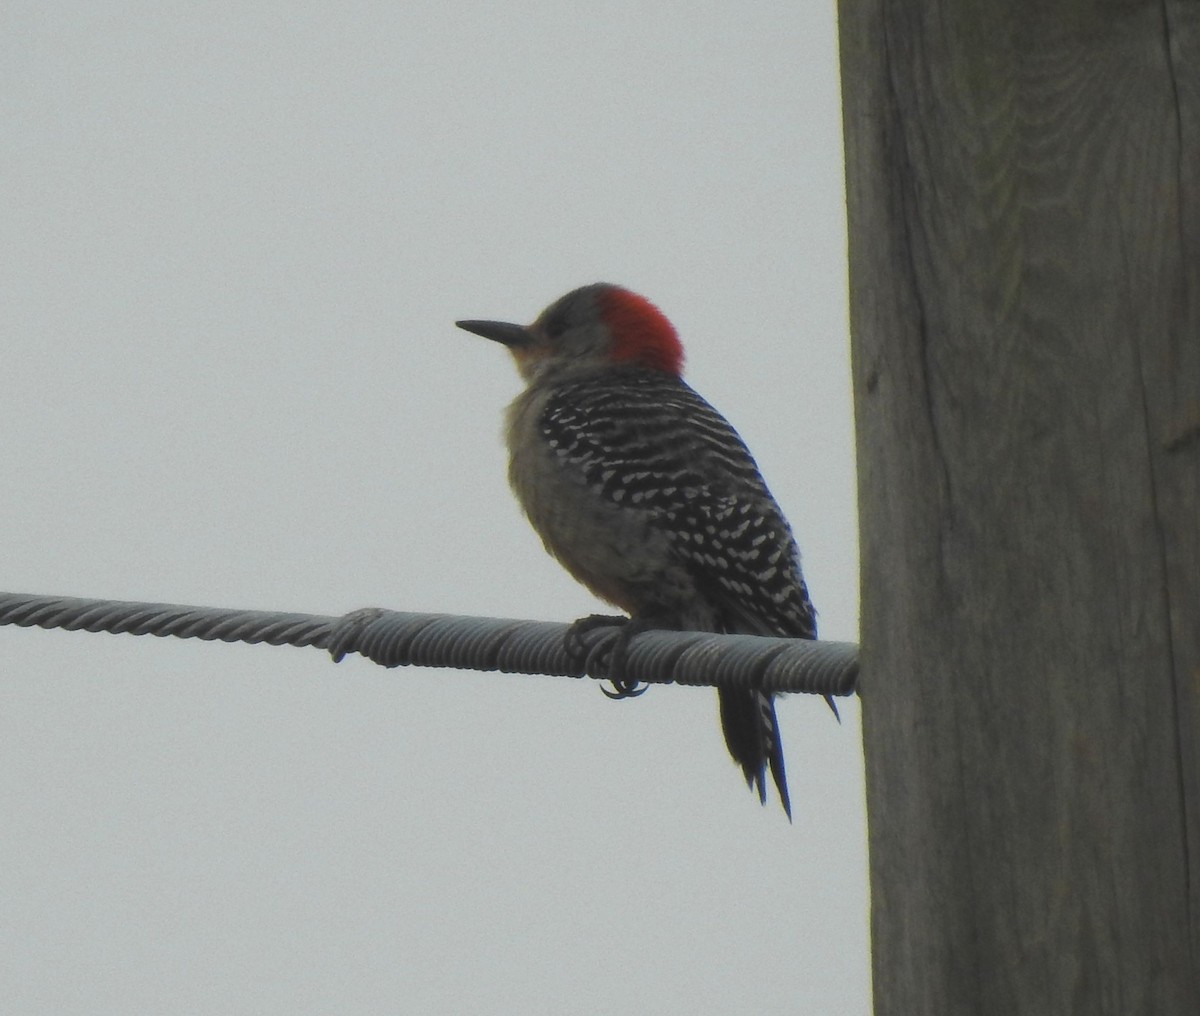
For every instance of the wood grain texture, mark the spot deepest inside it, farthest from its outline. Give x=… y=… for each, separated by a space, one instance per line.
x=1024 y=197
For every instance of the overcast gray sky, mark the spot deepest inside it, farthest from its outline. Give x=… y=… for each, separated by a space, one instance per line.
x=235 y=240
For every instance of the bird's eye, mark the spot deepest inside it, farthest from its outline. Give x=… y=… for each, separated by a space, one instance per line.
x=555 y=324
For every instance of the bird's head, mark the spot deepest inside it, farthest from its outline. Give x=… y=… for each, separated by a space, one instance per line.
x=596 y=326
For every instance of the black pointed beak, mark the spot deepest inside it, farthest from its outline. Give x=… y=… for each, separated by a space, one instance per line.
x=513 y=336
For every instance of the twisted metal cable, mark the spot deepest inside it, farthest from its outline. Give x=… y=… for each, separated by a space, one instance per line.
x=393 y=638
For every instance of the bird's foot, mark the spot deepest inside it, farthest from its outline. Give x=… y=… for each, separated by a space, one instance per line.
x=585 y=634
x=600 y=642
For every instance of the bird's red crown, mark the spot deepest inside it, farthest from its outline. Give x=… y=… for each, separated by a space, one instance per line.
x=641 y=332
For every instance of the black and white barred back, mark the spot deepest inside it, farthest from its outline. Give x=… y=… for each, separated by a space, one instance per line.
x=644 y=440
x=690 y=471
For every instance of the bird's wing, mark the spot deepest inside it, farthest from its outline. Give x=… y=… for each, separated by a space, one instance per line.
x=693 y=476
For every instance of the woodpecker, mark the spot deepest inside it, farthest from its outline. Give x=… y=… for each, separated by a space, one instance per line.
x=647 y=495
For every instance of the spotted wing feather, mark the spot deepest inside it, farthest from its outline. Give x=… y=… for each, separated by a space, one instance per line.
x=646 y=440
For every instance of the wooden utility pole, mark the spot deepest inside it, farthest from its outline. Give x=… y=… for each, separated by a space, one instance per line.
x=1024 y=196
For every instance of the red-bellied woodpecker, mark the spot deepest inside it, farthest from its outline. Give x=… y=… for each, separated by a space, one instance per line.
x=647 y=495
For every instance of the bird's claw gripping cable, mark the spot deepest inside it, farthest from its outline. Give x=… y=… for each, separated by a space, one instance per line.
x=601 y=643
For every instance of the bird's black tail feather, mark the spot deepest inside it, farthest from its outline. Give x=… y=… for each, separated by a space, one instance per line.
x=752 y=736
